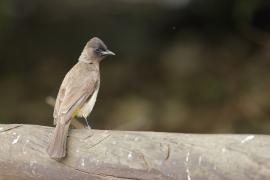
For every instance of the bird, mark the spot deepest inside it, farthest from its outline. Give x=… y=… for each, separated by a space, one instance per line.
x=77 y=94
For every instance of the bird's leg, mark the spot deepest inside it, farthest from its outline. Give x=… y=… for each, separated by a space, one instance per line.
x=77 y=124
x=89 y=128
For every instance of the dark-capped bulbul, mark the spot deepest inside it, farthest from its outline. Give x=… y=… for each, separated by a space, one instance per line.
x=77 y=94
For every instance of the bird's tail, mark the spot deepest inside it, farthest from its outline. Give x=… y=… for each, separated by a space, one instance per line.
x=57 y=145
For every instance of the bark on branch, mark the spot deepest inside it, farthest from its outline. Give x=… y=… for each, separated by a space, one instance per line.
x=99 y=154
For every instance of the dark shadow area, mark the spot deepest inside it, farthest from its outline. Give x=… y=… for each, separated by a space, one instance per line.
x=181 y=66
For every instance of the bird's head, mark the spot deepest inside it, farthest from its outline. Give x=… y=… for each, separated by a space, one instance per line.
x=95 y=50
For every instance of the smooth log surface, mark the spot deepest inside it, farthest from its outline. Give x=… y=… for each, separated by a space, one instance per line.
x=102 y=154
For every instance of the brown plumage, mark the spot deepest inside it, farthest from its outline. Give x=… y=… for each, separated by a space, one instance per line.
x=77 y=94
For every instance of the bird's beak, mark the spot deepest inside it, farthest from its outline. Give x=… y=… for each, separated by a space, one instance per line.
x=107 y=52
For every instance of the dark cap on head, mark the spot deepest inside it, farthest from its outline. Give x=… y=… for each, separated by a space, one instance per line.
x=99 y=47
x=95 y=50
x=95 y=42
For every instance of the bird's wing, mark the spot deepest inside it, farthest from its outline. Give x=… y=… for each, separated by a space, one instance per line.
x=73 y=93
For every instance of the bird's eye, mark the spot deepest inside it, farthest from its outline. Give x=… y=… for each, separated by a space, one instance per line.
x=98 y=50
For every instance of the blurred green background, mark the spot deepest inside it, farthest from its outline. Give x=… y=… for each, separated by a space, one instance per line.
x=181 y=66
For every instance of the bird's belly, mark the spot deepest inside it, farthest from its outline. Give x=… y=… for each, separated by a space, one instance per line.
x=88 y=106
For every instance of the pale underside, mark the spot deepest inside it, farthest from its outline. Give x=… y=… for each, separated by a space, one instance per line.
x=89 y=105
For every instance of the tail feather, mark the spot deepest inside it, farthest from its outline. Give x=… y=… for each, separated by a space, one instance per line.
x=57 y=146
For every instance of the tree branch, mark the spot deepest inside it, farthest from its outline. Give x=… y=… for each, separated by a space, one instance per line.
x=98 y=154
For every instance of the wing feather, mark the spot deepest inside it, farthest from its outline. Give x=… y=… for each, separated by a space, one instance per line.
x=76 y=88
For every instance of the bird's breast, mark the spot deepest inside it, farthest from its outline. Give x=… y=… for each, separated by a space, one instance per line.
x=89 y=105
